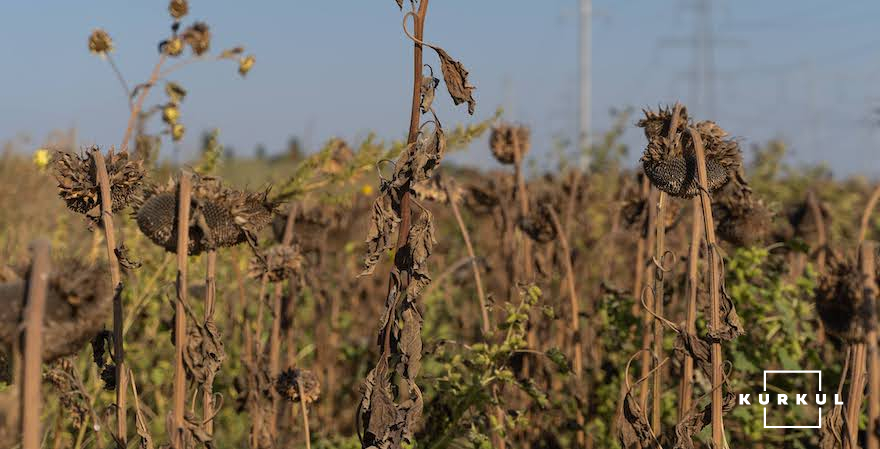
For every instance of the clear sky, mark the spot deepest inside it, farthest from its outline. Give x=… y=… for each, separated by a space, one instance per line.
x=807 y=71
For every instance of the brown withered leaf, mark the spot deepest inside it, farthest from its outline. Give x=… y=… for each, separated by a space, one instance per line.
x=400 y=4
x=697 y=419
x=420 y=243
x=429 y=87
x=731 y=326
x=383 y=223
x=633 y=430
x=455 y=76
x=699 y=350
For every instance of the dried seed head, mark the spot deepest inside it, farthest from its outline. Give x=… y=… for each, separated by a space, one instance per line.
x=78 y=180
x=78 y=303
x=173 y=46
x=290 y=381
x=670 y=161
x=100 y=42
x=178 y=8
x=742 y=219
x=198 y=37
x=245 y=64
x=279 y=262
x=220 y=217
x=313 y=220
x=438 y=189
x=840 y=300
x=506 y=140
x=538 y=225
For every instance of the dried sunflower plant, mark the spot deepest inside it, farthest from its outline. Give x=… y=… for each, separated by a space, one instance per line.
x=686 y=160
x=390 y=414
x=113 y=181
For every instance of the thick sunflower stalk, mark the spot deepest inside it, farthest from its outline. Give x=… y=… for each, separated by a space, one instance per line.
x=389 y=419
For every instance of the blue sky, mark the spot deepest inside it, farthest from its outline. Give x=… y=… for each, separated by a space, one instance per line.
x=807 y=71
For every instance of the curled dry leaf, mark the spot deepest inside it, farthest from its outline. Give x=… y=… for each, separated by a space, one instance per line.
x=457 y=83
x=429 y=87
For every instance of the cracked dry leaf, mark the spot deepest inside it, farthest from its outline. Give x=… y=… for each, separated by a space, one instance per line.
x=455 y=76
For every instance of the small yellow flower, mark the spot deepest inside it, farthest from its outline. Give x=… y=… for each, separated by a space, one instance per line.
x=170 y=114
x=173 y=46
x=367 y=190
x=177 y=132
x=41 y=158
x=100 y=42
x=245 y=64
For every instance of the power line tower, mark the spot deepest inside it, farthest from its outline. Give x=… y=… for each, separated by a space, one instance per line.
x=703 y=43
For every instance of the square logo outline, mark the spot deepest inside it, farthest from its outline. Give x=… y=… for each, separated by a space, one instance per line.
x=795 y=371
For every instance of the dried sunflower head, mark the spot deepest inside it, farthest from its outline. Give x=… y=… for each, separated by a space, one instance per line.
x=279 y=262
x=220 y=216
x=669 y=159
x=538 y=225
x=506 y=140
x=198 y=37
x=840 y=300
x=291 y=380
x=742 y=219
x=100 y=42
x=438 y=189
x=78 y=180
x=178 y=8
x=78 y=303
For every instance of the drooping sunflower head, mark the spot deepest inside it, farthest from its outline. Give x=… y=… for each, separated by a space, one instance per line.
x=278 y=262
x=669 y=159
x=220 y=216
x=507 y=140
x=78 y=180
x=742 y=219
x=840 y=300
x=291 y=380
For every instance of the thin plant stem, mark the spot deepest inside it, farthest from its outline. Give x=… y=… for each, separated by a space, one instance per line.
x=866 y=215
x=210 y=298
x=139 y=103
x=575 y=328
x=275 y=335
x=305 y=413
x=179 y=403
x=687 y=378
x=714 y=290
x=119 y=78
x=647 y=361
x=37 y=288
x=481 y=294
x=658 y=294
x=116 y=280
x=819 y=220
x=868 y=265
